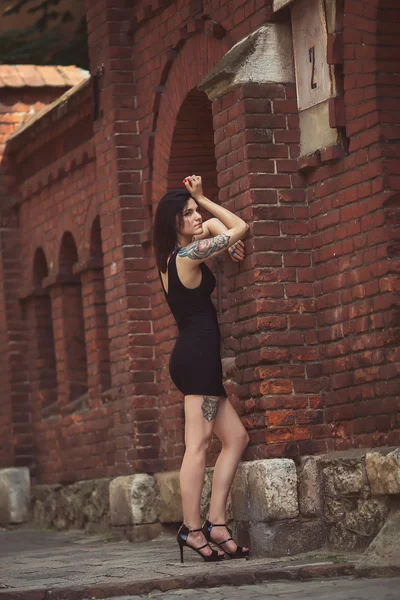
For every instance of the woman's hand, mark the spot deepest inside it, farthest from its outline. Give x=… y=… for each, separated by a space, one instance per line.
x=194 y=185
x=237 y=251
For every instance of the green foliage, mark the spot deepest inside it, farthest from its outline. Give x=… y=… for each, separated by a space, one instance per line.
x=42 y=42
x=76 y=52
x=24 y=46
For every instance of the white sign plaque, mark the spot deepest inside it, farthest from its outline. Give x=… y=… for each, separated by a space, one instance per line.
x=313 y=75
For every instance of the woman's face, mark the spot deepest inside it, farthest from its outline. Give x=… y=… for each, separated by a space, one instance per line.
x=192 y=220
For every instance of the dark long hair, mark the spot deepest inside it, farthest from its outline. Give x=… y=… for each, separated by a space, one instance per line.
x=167 y=221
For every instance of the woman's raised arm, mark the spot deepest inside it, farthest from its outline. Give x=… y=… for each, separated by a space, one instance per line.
x=201 y=250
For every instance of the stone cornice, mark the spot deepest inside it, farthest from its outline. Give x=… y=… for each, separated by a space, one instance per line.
x=264 y=56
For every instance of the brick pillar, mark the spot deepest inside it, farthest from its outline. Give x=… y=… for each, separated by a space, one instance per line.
x=125 y=219
x=272 y=307
x=96 y=330
x=17 y=442
x=388 y=92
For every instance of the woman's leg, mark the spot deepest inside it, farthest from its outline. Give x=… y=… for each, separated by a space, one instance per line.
x=230 y=430
x=200 y=413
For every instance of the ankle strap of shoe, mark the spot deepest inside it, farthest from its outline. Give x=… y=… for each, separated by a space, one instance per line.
x=218 y=524
x=193 y=530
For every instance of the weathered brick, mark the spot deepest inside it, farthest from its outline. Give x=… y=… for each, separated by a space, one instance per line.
x=314 y=301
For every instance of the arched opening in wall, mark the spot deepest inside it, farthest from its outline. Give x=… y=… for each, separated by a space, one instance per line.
x=40 y=270
x=73 y=327
x=43 y=358
x=193 y=148
x=99 y=346
x=192 y=151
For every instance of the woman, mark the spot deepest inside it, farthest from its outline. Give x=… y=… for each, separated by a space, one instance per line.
x=183 y=244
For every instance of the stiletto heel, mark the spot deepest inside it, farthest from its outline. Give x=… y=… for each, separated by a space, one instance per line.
x=182 y=537
x=239 y=552
x=181 y=549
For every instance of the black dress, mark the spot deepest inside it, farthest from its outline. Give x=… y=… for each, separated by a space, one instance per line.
x=195 y=363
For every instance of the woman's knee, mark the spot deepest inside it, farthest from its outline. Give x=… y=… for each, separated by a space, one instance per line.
x=244 y=440
x=239 y=441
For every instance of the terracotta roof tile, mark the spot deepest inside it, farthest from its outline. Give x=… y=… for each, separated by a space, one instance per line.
x=52 y=77
x=9 y=77
x=50 y=108
x=41 y=76
x=73 y=74
x=30 y=74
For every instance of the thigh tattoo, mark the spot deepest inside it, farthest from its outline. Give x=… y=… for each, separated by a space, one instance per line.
x=210 y=407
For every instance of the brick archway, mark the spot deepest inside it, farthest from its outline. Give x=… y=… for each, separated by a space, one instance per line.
x=192 y=148
x=198 y=56
x=42 y=358
x=70 y=326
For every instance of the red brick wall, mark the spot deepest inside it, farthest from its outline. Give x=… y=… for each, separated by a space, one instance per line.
x=358 y=330
x=16 y=440
x=61 y=291
x=311 y=364
x=311 y=315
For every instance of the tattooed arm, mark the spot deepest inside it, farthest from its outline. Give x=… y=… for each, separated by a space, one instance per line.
x=200 y=250
x=235 y=227
x=214 y=227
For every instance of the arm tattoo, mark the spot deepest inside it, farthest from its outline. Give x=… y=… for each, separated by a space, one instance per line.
x=202 y=249
x=210 y=407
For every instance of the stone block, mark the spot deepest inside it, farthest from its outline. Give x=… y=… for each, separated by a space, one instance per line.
x=343 y=477
x=206 y=493
x=134 y=500
x=286 y=538
x=272 y=490
x=240 y=497
x=309 y=487
x=356 y=522
x=15 y=495
x=45 y=504
x=81 y=505
x=170 y=497
x=384 y=550
x=384 y=472
x=263 y=56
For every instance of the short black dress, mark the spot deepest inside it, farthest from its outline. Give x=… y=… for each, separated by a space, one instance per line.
x=195 y=363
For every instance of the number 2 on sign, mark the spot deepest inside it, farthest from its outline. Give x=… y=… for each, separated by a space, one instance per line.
x=311 y=53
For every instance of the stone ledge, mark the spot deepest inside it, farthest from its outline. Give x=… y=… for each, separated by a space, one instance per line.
x=328 y=498
x=264 y=56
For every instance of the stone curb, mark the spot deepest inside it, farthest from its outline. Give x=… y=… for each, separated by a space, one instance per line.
x=377 y=572
x=239 y=577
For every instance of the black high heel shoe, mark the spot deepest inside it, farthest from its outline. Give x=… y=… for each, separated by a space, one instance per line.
x=182 y=541
x=239 y=552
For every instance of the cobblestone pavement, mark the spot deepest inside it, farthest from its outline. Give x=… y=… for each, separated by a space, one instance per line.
x=38 y=559
x=37 y=565
x=337 y=589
